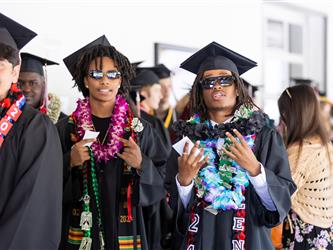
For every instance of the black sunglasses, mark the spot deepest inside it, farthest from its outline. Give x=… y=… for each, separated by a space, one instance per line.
x=99 y=74
x=224 y=81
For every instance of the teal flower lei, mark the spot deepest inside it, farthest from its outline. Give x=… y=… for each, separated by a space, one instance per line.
x=222 y=182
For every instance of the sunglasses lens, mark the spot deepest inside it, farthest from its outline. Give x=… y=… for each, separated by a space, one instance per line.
x=96 y=74
x=224 y=81
x=207 y=83
x=113 y=74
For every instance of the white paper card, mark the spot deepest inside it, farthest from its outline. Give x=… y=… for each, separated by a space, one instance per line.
x=90 y=135
x=179 y=146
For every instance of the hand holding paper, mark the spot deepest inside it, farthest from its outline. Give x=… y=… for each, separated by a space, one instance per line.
x=179 y=146
x=90 y=135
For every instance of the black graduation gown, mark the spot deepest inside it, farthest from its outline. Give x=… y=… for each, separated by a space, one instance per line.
x=148 y=189
x=31 y=184
x=216 y=231
x=156 y=215
x=158 y=126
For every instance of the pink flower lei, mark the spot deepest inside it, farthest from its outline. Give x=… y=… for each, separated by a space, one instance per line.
x=118 y=122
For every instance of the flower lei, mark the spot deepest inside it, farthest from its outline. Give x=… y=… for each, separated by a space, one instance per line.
x=12 y=105
x=121 y=121
x=222 y=183
x=118 y=123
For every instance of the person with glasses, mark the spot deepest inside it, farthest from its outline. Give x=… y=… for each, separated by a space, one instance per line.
x=33 y=82
x=30 y=157
x=233 y=180
x=109 y=179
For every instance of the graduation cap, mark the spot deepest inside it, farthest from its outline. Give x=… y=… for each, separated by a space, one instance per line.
x=71 y=60
x=136 y=64
x=32 y=63
x=161 y=71
x=143 y=78
x=216 y=56
x=298 y=81
x=250 y=87
x=13 y=33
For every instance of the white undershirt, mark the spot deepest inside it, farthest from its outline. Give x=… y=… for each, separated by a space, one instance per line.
x=259 y=183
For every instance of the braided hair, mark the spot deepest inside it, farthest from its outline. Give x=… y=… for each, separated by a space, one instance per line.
x=197 y=103
x=97 y=52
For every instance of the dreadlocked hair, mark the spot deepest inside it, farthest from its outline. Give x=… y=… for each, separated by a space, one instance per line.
x=197 y=103
x=95 y=54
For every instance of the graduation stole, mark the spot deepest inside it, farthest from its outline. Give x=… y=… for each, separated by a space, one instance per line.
x=221 y=185
x=13 y=103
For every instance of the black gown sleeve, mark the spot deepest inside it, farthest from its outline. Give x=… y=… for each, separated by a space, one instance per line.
x=32 y=217
x=271 y=152
x=154 y=157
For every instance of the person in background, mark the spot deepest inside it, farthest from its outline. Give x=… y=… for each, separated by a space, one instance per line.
x=146 y=84
x=309 y=224
x=147 y=92
x=165 y=111
x=33 y=82
x=30 y=157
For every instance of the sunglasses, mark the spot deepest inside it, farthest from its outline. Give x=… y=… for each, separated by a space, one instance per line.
x=223 y=81
x=99 y=74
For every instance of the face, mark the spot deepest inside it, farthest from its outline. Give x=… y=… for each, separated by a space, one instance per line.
x=103 y=89
x=8 y=75
x=33 y=87
x=153 y=95
x=219 y=98
x=166 y=88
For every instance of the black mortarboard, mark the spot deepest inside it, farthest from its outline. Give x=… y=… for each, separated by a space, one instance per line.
x=13 y=33
x=32 y=63
x=136 y=64
x=250 y=87
x=215 y=56
x=302 y=81
x=71 y=60
x=161 y=71
x=143 y=78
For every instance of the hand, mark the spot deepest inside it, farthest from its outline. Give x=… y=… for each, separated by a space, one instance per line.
x=241 y=153
x=80 y=153
x=189 y=164
x=131 y=154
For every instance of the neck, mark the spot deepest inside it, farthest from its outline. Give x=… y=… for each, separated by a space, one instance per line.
x=145 y=107
x=219 y=116
x=2 y=97
x=101 y=109
x=163 y=106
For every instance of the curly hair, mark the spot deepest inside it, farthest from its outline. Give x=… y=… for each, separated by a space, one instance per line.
x=10 y=54
x=121 y=62
x=197 y=103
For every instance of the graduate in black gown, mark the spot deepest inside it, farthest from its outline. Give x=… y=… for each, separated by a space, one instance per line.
x=30 y=157
x=146 y=84
x=107 y=184
x=146 y=87
x=237 y=186
x=33 y=82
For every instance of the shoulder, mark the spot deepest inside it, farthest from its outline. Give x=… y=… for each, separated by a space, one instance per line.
x=32 y=117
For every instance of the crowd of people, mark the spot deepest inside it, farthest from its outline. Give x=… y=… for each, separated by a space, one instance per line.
x=128 y=170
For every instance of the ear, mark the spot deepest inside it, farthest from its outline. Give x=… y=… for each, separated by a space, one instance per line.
x=16 y=73
x=85 y=83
